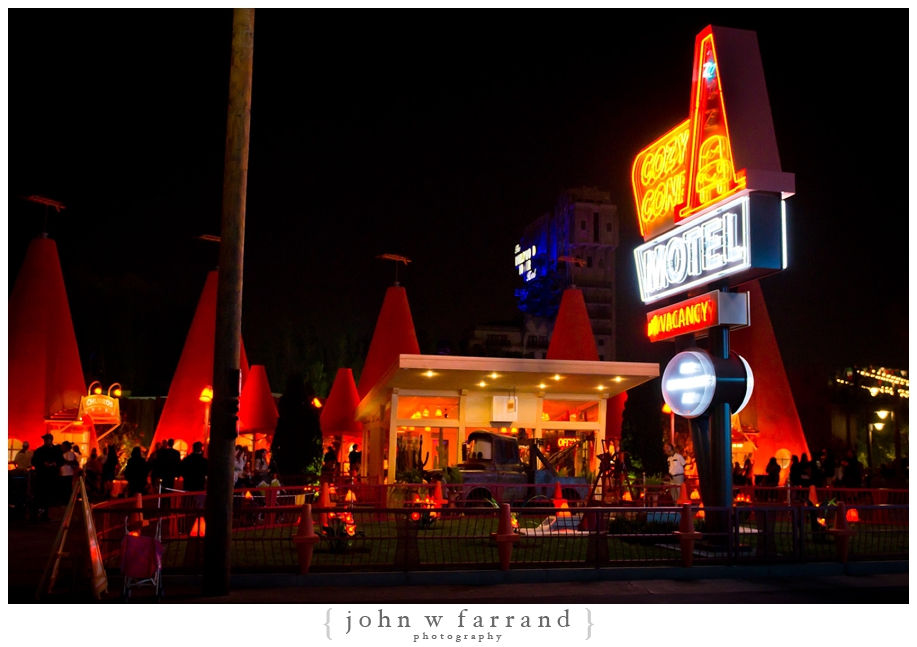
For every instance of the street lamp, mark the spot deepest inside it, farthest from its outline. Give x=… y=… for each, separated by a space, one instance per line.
x=207 y=398
x=667 y=409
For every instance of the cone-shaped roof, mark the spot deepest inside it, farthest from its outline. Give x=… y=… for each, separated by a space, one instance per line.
x=771 y=409
x=572 y=337
x=341 y=407
x=45 y=375
x=183 y=414
x=394 y=335
x=257 y=410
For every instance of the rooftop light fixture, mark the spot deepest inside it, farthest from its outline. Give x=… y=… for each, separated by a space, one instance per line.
x=619 y=379
x=482 y=383
x=429 y=373
x=542 y=385
x=882 y=414
x=494 y=376
x=207 y=394
x=556 y=378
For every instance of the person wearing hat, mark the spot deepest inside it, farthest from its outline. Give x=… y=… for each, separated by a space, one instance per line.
x=47 y=461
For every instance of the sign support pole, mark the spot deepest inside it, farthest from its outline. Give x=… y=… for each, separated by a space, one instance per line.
x=719 y=493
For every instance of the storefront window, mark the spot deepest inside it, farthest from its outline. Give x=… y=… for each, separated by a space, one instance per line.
x=13 y=445
x=571 y=410
x=415 y=407
x=570 y=451
x=425 y=448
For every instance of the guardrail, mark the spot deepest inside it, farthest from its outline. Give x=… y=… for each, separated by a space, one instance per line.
x=419 y=536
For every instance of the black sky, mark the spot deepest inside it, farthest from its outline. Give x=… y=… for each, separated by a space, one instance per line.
x=437 y=137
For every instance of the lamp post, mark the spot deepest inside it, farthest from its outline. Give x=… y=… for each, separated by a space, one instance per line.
x=667 y=409
x=207 y=398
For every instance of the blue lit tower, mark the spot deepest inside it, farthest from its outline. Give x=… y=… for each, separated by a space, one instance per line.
x=584 y=224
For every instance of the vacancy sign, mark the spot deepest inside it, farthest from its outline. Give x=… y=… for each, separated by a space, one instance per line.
x=697 y=314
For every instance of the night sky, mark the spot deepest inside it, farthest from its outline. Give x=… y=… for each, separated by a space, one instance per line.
x=435 y=141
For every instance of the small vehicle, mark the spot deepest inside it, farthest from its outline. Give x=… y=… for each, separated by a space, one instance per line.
x=494 y=471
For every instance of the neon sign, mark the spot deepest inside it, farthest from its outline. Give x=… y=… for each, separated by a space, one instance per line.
x=524 y=262
x=697 y=314
x=695 y=165
x=714 y=246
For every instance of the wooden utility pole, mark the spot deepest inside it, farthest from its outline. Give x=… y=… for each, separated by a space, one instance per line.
x=226 y=370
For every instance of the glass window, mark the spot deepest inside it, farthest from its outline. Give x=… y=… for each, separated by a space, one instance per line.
x=571 y=410
x=412 y=407
x=13 y=445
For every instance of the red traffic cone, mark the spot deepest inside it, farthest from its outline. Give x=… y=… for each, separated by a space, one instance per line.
x=438 y=499
x=813 y=496
x=305 y=539
x=558 y=497
x=683 y=495
x=687 y=535
x=505 y=537
x=841 y=532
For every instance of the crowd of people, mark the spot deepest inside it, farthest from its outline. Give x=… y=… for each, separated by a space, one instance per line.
x=824 y=471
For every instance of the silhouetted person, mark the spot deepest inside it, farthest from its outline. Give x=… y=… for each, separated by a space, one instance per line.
x=136 y=472
x=168 y=460
x=194 y=469
x=773 y=472
x=194 y=472
x=46 y=460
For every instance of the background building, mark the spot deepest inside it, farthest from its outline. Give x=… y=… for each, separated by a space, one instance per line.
x=584 y=225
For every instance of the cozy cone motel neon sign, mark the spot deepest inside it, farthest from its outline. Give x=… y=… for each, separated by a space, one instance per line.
x=710 y=192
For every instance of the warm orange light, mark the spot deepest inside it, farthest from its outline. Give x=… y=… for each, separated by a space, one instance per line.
x=853 y=515
x=482 y=383
x=687 y=316
x=821 y=522
x=711 y=174
x=316 y=403
x=199 y=528
x=439 y=412
x=10 y=467
x=207 y=394
x=666 y=408
x=248 y=495
x=542 y=385
x=426 y=412
x=135 y=533
x=626 y=496
x=556 y=378
x=97 y=390
x=415 y=516
x=545 y=416
x=694 y=496
x=350 y=497
x=691 y=166
x=117 y=392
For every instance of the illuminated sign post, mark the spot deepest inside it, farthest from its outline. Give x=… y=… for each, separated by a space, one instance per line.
x=710 y=205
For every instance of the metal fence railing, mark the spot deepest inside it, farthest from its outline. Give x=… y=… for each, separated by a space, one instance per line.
x=416 y=535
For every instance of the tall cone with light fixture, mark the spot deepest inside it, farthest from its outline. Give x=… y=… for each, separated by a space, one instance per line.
x=45 y=375
x=394 y=335
x=184 y=414
x=338 y=414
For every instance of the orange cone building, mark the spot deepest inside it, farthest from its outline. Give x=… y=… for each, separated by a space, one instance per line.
x=770 y=416
x=45 y=375
x=185 y=416
x=257 y=409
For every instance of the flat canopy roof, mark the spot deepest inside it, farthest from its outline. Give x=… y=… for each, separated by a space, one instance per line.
x=448 y=373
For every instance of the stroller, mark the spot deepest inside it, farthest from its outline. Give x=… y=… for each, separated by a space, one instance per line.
x=141 y=560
